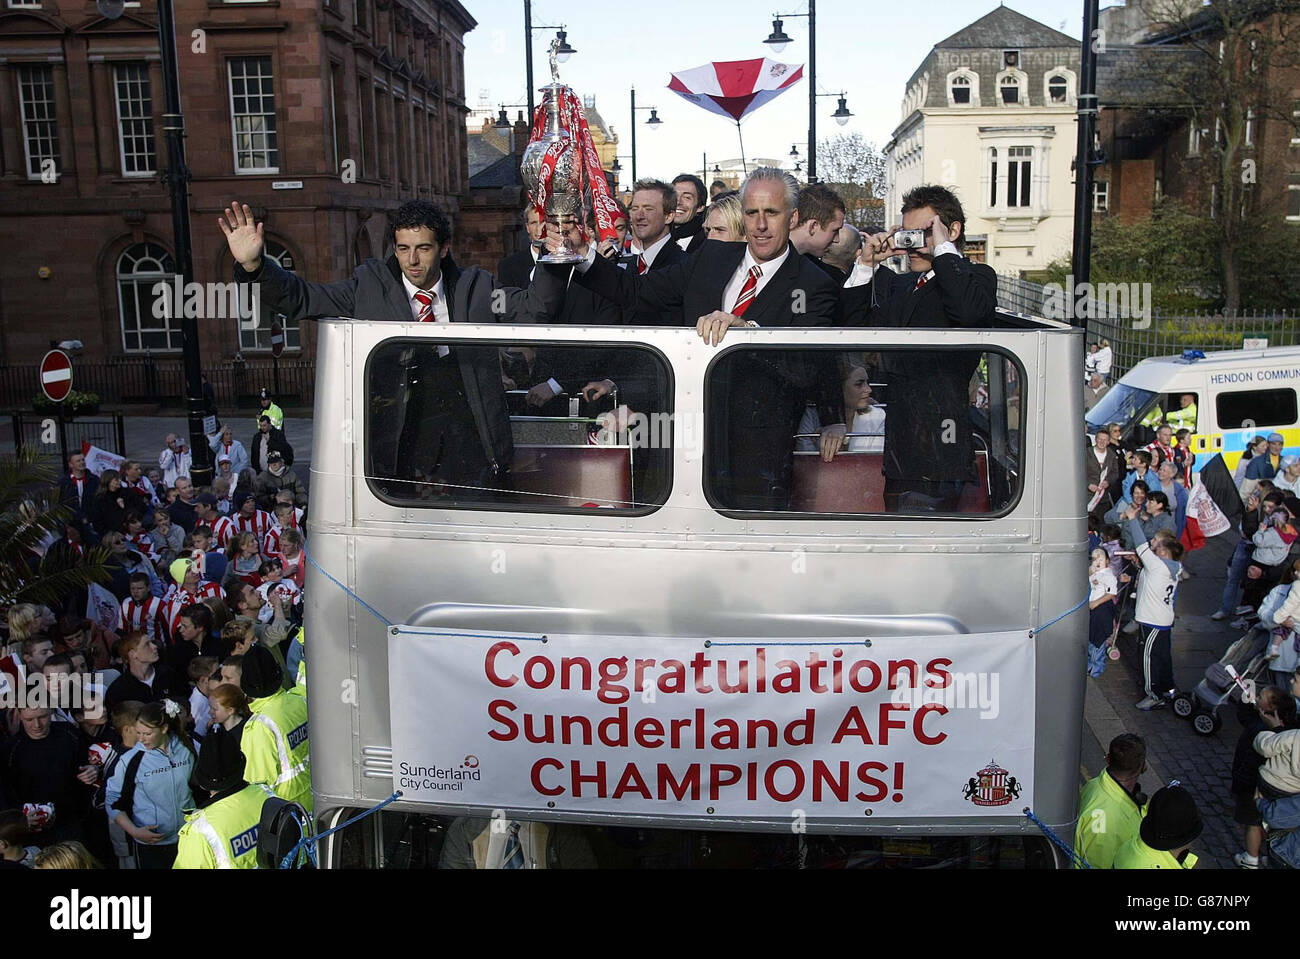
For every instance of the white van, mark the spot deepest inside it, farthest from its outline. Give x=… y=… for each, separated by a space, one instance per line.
x=1239 y=394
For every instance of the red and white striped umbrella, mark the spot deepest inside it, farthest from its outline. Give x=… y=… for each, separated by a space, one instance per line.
x=735 y=88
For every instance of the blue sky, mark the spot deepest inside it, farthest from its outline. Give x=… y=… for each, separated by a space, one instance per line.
x=867 y=48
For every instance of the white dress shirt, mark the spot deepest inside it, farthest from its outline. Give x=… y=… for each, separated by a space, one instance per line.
x=860 y=275
x=652 y=251
x=732 y=290
x=440 y=313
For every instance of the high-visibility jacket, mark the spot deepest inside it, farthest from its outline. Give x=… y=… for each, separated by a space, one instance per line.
x=1183 y=418
x=1135 y=854
x=275 y=414
x=223 y=835
x=300 y=675
x=1108 y=819
x=1153 y=418
x=274 y=744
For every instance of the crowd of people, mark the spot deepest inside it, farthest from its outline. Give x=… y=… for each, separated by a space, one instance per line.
x=151 y=740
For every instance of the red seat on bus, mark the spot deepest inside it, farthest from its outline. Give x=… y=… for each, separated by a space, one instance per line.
x=855 y=483
x=573 y=475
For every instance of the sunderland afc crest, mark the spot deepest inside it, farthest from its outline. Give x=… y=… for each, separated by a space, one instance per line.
x=991 y=786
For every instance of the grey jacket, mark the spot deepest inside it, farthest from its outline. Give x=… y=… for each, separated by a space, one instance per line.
x=375 y=292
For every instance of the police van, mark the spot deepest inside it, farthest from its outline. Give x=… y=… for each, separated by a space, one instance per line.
x=1236 y=395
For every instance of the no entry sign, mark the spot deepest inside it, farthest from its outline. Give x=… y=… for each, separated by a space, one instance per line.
x=56 y=375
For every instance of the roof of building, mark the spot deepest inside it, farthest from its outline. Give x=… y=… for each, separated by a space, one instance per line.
x=1147 y=76
x=483 y=152
x=596 y=122
x=1004 y=27
x=504 y=172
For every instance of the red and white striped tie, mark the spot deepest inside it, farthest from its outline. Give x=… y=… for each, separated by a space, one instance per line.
x=425 y=299
x=641 y=265
x=747 y=291
x=921 y=282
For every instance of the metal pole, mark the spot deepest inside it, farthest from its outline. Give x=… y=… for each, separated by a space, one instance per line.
x=634 y=136
x=528 y=54
x=812 y=91
x=275 y=367
x=1081 y=261
x=178 y=178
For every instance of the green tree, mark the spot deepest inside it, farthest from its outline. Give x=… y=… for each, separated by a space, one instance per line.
x=855 y=169
x=30 y=519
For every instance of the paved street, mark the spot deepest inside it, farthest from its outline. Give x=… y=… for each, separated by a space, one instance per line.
x=1175 y=750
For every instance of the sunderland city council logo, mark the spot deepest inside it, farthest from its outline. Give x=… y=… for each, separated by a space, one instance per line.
x=991 y=786
x=471 y=762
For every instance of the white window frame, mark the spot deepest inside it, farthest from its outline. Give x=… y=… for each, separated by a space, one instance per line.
x=1292 y=189
x=1100 y=196
x=144 y=281
x=31 y=5
x=1022 y=161
x=1071 y=87
x=250 y=340
x=993 y=177
x=146 y=118
x=972 y=83
x=1295 y=122
x=234 y=117
x=1010 y=77
x=1193 y=138
x=53 y=119
x=1250 y=127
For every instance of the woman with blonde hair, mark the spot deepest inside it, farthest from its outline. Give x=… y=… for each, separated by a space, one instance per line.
x=65 y=855
x=725 y=220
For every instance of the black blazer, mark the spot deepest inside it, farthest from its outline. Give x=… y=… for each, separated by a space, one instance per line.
x=669 y=255
x=80 y=505
x=516 y=269
x=928 y=390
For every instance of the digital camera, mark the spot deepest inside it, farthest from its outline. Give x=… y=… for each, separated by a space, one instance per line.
x=909 y=239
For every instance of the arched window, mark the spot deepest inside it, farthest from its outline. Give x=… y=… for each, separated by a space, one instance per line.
x=961 y=90
x=149 y=320
x=1010 y=87
x=259 y=338
x=993 y=176
x=1058 y=88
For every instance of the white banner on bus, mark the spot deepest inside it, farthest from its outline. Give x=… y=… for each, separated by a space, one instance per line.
x=935 y=727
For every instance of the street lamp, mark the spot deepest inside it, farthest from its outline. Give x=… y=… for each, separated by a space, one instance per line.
x=653 y=123
x=794 y=149
x=178 y=178
x=562 y=53
x=778 y=40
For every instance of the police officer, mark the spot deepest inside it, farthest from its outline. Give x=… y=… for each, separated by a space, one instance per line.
x=223 y=834
x=1164 y=840
x=1111 y=806
x=274 y=740
x=269 y=408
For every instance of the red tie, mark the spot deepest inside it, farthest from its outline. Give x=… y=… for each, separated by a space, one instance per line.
x=426 y=306
x=920 y=283
x=641 y=265
x=747 y=291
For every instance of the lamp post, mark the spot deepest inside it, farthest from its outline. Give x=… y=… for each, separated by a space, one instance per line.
x=778 y=40
x=652 y=123
x=562 y=54
x=178 y=180
x=1084 y=158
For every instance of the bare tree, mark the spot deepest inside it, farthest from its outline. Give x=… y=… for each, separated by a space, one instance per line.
x=855 y=169
x=1232 y=78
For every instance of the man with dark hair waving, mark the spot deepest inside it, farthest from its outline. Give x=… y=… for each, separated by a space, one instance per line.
x=929 y=455
x=454 y=428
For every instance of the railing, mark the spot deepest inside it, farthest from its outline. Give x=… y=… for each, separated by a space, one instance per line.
x=47 y=433
x=129 y=380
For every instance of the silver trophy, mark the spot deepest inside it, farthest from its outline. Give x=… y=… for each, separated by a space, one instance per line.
x=564 y=199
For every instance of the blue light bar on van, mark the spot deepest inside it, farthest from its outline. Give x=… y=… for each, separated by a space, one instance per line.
x=1191 y=356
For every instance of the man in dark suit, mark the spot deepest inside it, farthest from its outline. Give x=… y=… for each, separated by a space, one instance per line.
x=821 y=216
x=929 y=454
x=757 y=396
x=1101 y=465
x=448 y=422
x=77 y=486
x=653 y=204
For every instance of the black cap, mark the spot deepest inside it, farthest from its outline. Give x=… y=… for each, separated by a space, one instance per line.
x=221 y=763
x=207 y=499
x=237 y=501
x=1172 y=820
x=273 y=456
x=261 y=674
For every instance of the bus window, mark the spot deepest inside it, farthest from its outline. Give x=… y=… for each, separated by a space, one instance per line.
x=561 y=428
x=1253 y=409
x=924 y=431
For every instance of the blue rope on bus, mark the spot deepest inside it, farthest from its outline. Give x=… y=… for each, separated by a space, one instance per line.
x=382 y=618
x=310 y=841
x=1056 y=840
x=1083 y=602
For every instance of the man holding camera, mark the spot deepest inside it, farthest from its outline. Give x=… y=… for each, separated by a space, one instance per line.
x=929 y=455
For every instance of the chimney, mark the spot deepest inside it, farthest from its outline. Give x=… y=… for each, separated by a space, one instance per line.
x=522 y=131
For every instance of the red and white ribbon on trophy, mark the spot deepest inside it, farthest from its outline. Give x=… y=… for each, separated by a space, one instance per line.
x=574 y=121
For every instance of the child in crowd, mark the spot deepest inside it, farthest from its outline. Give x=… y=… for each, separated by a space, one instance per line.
x=1104 y=588
x=168 y=539
x=1245 y=770
x=232 y=669
x=272 y=575
x=291 y=556
x=138 y=538
x=123 y=720
x=14 y=832
x=1287 y=612
x=221 y=490
x=229 y=707
x=243 y=557
x=1112 y=543
x=200 y=672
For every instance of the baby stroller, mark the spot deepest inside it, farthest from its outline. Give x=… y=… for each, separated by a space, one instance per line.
x=1241 y=667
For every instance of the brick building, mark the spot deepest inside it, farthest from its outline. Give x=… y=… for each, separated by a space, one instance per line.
x=322 y=116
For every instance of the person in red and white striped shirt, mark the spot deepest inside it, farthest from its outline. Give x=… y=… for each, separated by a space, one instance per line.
x=138 y=540
x=223 y=530
x=249 y=519
x=188 y=589
x=143 y=612
x=285 y=518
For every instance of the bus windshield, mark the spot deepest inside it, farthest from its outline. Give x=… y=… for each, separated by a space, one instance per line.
x=1122 y=404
